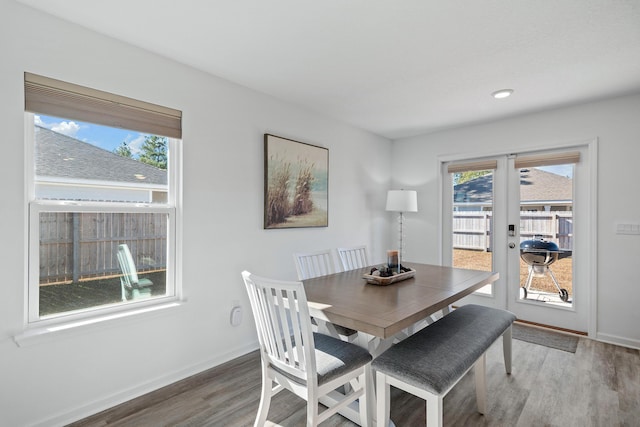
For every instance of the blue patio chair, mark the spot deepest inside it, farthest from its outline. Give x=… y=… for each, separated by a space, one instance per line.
x=132 y=287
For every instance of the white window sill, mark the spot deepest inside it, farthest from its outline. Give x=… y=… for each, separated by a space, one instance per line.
x=41 y=334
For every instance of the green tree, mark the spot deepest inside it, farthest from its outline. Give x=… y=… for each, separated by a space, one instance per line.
x=124 y=150
x=462 y=177
x=154 y=151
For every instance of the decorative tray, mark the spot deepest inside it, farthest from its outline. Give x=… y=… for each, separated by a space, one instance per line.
x=383 y=281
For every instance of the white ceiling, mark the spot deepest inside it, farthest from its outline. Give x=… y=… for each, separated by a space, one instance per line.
x=395 y=68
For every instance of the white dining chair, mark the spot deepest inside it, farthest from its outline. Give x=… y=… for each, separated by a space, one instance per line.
x=309 y=364
x=314 y=264
x=353 y=257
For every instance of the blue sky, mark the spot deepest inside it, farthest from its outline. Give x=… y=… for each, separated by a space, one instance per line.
x=564 y=170
x=104 y=137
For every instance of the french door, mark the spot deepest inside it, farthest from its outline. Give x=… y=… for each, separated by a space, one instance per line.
x=529 y=217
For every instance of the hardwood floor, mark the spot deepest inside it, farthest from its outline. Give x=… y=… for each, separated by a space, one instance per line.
x=599 y=385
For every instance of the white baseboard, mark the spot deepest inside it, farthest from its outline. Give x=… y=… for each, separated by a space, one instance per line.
x=100 y=405
x=613 y=339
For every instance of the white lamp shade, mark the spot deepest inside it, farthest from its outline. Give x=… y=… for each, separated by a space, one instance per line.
x=402 y=201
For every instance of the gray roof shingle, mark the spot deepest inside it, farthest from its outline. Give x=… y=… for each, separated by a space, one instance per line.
x=61 y=156
x=535 y=185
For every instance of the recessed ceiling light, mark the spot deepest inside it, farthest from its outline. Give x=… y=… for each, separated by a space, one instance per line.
x=502 y=93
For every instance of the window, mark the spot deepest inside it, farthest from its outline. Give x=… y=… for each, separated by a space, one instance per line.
x=103 y=191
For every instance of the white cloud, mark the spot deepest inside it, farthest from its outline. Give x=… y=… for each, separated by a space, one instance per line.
x=66 y=128
x=135 y=144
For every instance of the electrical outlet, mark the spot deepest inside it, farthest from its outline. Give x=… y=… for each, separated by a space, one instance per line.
x=236 y=316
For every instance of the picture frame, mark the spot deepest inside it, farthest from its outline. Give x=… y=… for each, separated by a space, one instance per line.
x=296 y=184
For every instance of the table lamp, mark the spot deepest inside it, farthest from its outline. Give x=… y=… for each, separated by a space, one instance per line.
x=402 y=201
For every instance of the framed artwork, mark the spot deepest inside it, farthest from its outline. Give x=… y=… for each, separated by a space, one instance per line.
x=296 y=184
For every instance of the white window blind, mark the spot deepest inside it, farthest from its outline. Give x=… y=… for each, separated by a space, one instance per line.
x=480 y=165
x=61 y=99
x=561 y=158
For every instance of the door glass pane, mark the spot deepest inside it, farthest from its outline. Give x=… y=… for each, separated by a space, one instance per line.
x=546 y=234
x=473 y=221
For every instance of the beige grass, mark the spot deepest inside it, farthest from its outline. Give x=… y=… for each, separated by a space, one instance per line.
x=480 y=260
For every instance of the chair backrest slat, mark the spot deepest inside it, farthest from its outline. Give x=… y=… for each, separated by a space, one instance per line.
x=128 y=267
x=284 y=334
x=266 y=311
x=283 y=323
x=353 y=257
x=296 y=330
x=314 y=264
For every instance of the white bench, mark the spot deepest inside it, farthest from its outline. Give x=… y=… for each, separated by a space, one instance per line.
x=429 y=363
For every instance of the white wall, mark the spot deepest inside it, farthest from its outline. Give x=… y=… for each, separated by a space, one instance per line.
x=616 y=125
x=73 y=375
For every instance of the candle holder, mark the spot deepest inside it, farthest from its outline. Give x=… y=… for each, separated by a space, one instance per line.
x=393 y=260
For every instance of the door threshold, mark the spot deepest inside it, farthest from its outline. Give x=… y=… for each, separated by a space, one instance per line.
x=555 y=328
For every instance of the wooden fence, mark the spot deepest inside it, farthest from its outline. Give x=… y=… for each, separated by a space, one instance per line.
x=77 y=246
x=472 y=230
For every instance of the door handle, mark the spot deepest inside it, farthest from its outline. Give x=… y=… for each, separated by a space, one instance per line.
x=512 y=245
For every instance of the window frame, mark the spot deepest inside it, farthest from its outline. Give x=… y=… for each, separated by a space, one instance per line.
x=34 y=207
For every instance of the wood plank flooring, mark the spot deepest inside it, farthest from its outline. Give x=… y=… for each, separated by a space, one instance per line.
x=599 y=385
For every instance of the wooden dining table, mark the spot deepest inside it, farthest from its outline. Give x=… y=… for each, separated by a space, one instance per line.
x=348 y=300
x=384 y=313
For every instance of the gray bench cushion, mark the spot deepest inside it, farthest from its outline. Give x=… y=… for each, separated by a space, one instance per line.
x=435 y=358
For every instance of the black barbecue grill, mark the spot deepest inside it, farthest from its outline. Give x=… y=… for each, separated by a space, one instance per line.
x=539 y=254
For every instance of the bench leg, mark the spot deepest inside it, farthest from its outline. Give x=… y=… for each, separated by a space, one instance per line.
x=506 y=349
x=383 y=400
x=434 y=410
x=480 y=373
